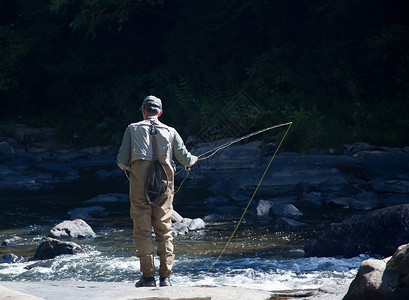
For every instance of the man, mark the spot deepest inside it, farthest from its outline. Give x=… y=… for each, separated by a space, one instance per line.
x=146 y=151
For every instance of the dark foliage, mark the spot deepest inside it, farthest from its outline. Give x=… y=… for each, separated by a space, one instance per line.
x=338 y=69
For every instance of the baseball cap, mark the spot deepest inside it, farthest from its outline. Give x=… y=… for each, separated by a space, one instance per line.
x=152 y=101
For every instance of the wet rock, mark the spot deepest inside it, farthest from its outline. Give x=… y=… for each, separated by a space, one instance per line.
x=340 y=202
x=213 y=218
x=382 y=279
x=385 y=163
x=288 y=171
x=395 y=199
x=224 y=187
x=103 y=174
x=378 y=233
x=310 y=200
x=196 y=224
x=50 y=248
x=237 y=156
x=285 y=210
x=6 y=149
x=87 y=213
x=15 y=240
x=391 y=186
x=181 y=227
x=263 y=207
x=108 y=198
x=58 y=169
x=72 y=229
x=11 y=258
x=216 y=201
x=287 y=223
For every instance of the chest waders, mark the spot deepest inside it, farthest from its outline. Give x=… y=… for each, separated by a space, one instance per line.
x=156 y=178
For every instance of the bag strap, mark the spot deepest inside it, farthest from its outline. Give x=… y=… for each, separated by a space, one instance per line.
x=153 y=131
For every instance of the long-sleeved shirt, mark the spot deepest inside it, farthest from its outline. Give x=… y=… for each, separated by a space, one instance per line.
x=137 y=144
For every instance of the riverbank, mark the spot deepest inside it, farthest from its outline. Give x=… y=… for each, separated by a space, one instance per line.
x=77 y=290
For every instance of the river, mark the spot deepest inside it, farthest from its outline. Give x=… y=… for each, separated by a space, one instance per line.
x=259 y=256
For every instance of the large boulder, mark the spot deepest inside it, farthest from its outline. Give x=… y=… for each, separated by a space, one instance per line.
x=72 y=229
x=50 y=248
x=288 y=172
x=378 y=233
x=382 y=279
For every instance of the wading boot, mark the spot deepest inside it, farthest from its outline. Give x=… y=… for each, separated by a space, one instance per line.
x=146 y=282
x=165 y=281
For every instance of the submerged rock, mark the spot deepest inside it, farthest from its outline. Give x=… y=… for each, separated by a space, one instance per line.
x=11 y=258
x=12 y=241
x=50 y=248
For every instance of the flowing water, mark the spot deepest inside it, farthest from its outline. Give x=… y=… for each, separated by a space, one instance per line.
x=258 y=256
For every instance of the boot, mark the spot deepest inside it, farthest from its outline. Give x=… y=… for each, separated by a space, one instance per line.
x=146 y=282
x=165 y=281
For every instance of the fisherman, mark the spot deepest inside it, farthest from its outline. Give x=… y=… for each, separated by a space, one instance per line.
x=146 y=152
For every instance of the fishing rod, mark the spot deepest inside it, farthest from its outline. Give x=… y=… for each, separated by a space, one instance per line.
x=217 y=149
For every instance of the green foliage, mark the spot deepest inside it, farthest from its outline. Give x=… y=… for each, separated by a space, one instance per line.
x=339 y=70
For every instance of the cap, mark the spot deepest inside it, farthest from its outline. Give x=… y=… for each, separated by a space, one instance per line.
x=152 y=101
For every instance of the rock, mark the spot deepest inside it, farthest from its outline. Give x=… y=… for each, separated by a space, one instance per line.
x=103 y=174
x=6 y=149
x=285 y=210
x=196 y=224
x=395 y=199
x=50 y=248
x=11 y=258
x=180 y=228
x=223 y=187
x=382 y=279
x=310 y=200
x=263 y=207
x=108 y=198
x=85 y=213
x=368 y=282
x=385 y=163
x=391 y=186
x=12 y=241
x=363 y=201
x=286 y=223
x=237 y=156
x=186 y=224
x=213 y=218
x=58 y=169
x=378 y=233
x=340 y=202
x=288 y=171
x=72 y=229
x=400 y=261
x=219 y=200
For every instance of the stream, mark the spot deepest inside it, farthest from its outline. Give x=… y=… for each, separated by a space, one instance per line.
x=259 y=256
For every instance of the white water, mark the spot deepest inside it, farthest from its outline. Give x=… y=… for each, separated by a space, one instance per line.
x=249 y=272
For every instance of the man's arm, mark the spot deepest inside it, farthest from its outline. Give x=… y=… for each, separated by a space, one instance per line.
x=180 y=152
x=124 y=155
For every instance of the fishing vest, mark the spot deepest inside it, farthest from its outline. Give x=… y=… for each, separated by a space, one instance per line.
x=141 y=141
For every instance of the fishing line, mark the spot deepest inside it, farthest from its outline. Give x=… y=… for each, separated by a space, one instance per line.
x=254 y=193
x=212 y=152
x=217 y=149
